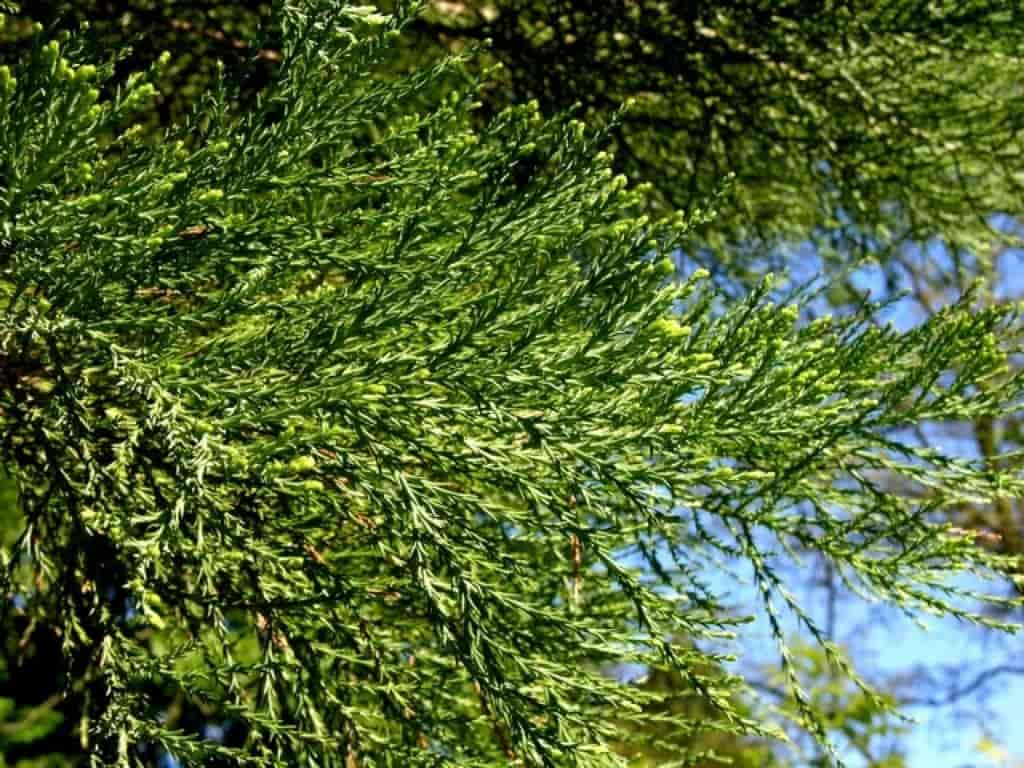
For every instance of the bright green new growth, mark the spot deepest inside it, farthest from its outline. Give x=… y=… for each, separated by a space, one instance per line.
x=395 y=441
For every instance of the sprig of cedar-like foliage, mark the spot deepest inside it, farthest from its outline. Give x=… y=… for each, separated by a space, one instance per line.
x=383 y=438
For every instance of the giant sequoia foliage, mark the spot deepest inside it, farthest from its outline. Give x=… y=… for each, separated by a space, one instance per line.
x=378 y=437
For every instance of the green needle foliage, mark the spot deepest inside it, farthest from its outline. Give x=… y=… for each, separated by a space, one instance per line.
x=862 y=126
x=379 y=438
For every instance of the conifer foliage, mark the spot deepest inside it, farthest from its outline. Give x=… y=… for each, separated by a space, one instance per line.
x=381 y=438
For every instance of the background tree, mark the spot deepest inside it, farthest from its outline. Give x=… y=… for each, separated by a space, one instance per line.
x=873 y=123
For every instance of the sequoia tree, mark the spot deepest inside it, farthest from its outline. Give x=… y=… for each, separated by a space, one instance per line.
x=379 y=436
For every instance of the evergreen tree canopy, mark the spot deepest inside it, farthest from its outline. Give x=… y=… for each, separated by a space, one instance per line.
x=379 y=437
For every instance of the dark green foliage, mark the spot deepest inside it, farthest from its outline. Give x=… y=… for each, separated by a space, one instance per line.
x=862 y=126
x=377 y=435
x=196 y=36
x=34 y=732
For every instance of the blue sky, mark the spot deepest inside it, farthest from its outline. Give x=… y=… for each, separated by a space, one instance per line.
x=940 y=741
x=888 y=644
